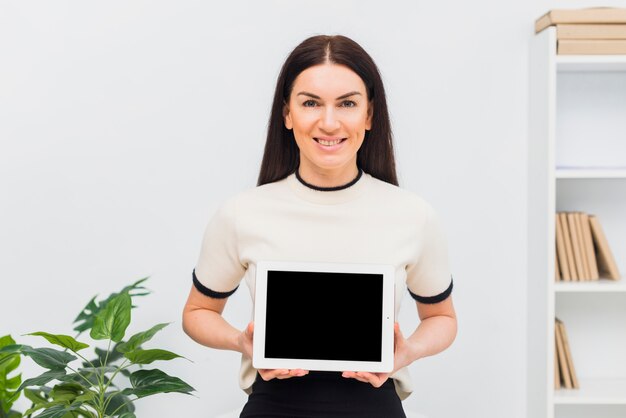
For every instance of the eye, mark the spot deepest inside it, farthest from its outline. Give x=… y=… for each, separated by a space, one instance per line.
x=348 y=103
x=309 y=103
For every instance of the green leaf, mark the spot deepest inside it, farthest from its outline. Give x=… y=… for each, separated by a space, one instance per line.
x=58 y=411
x=67 y=392
x=9 y=363
x=85 y=319
x=86 y=397
x=148 y=356
x=136 y=286
x=13 y=396
x=138 y=339
x=64 y=341
x=6 y=340
x=10 y=349
x=92 y=378
x=36 y=396
x=48 y=358
x=30 y=411
x=127 y=415
x=8 y=355
x=99 y=370
x=43 y=378
x=13 y=383
x=112 y=321
x=87 y=316
x=150 y=382
x=116 y=401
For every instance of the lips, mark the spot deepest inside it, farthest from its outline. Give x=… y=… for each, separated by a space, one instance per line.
x=328 y=139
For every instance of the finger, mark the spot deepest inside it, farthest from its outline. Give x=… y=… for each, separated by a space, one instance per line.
x=293 y=373
x=354 y=375
x=250 y=330
x=298 y=372
x=269 y=374
x=373 y=378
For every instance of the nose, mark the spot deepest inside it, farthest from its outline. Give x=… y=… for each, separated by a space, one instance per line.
x=329 y=121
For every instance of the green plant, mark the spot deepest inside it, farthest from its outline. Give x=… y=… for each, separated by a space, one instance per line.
x=93 y=390
x=8 y=385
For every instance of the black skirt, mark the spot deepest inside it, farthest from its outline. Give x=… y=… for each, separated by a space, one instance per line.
x=321 y=394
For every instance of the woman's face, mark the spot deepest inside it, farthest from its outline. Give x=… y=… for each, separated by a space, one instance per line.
x=329 y=112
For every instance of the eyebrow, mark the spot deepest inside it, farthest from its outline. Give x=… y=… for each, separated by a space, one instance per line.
x=343 y=96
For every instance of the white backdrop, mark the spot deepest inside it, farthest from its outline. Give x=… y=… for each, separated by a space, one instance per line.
x=123 y=124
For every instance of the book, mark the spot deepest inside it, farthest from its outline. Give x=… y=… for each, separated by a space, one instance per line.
x=591 y=46
x=557 y=371
x=561 y=251
x=589 y=15
x=557 y=270
x=568 y=247
x=590 y=31
x=583 y=247
x=573 y=230
x=568 y=354
x=591 y=255
x=563 y=365
x=606 y=263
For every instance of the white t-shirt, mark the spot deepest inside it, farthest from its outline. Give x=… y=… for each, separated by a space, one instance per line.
x=369 y=221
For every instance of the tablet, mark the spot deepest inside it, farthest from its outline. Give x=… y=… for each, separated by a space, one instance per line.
x=323 y=316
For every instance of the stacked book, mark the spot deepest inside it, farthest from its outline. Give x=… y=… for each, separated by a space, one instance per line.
x=599 y=30
x=582 y=250
x=564 y=372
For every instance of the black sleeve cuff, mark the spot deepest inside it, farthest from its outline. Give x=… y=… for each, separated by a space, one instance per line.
x=208 y=292
x=433 y=299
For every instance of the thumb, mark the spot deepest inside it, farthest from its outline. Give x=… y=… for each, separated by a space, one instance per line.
x=249 y=331
x=397 y=334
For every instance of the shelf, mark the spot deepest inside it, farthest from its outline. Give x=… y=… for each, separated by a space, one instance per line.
x=591 y=63
x=593 y=392
x=591 y=173
x=575 y=151
x=595 y=286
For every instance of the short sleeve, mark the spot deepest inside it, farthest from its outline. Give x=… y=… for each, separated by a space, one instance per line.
x=428 y=278
x=218 y=270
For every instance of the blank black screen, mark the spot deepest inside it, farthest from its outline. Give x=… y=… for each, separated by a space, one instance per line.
x=324 y=316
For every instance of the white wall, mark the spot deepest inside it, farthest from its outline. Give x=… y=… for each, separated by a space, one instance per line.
x=123 y=124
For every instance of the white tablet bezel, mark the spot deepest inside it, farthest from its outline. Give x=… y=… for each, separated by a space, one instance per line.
x=259 y=361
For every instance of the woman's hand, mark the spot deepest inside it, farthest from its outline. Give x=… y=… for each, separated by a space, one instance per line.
x=402 y=357
x=245 y=346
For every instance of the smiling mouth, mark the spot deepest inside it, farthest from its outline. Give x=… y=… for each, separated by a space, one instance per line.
x=329 y=143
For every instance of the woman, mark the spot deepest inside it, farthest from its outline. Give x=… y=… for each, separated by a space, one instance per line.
x=327 y=192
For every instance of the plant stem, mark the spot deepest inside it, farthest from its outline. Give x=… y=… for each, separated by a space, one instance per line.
x=101 y=381
x=106 y=358
x=119 y=369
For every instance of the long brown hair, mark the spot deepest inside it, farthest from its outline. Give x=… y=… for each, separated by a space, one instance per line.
x=281 y=156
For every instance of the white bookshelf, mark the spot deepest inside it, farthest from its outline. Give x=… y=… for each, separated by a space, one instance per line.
x=594 y=392
x=576 y=162
x=599 y=286
x=591 y=172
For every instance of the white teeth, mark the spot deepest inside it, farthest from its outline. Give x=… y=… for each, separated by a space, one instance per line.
x=321 y=141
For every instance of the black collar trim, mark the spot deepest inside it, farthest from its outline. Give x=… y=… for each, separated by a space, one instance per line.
x=329 y=189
